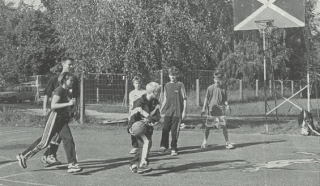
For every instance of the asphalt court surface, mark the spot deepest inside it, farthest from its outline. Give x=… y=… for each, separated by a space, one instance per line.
x=104 y=156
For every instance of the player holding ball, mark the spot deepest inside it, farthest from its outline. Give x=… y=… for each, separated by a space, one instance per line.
x=144 y=114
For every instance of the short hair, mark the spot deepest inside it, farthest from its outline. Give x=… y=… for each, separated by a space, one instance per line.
x=63 y=77
x=217 y=74
x=153 y=86
x=65 y=58
x=174 y=71
x=137 y=78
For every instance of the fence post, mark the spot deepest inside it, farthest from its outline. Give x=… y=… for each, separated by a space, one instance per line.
x=270 y=87
x=82 y=99
x=126 y=91
x=37 y=97
x=198 y=92
x=161 y=81
x=300 y=86
x=257 y=88
x=240 y=86
x=98 y=94
x=281 y=81
x=292 y=87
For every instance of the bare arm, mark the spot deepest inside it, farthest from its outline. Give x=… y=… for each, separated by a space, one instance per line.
x=45 y=101
x=164 y=100
x=56 y=105
x=184 y=95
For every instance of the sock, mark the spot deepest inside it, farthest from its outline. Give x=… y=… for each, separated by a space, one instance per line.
x=53 y=149
x=47 y=152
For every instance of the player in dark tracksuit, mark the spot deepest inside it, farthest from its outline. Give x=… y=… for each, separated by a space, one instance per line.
x=57 y=122
x=145 y=108
x=173 y=108
x=50 y=156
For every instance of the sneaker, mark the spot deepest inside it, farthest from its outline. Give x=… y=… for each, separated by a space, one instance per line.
x=162 y=150
x=133 y=150
x=44 y=160
x=204 y=145
x=134 y=168
x=52 y=160
x=143 y=169
x=229 y=145
x=74 y=168
x=22 y=161
x=174 y=153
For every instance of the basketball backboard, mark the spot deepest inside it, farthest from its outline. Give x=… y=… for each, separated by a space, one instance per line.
x=284 y=13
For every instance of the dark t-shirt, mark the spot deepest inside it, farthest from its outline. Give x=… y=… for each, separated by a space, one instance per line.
x=53 y=84
x=65 y=96
x=216 y=98
x=175 y=94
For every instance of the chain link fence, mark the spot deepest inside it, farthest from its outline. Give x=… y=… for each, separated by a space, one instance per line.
x=113 y=89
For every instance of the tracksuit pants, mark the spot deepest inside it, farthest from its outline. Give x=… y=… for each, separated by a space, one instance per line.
x=134 y=142
x=170 y=124
x=56 y=123
x=144 y=146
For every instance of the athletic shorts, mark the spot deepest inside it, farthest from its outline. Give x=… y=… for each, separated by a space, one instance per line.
x=216 y=121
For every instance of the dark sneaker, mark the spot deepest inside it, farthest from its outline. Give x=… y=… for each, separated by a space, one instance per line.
x=74 y=168
x=52 y=160
x=143 y=169
x=22 y=161
x=162 y=150
x=134 y=168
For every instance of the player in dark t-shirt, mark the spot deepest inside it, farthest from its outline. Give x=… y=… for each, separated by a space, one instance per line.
x=50 y=156
x=56 y=122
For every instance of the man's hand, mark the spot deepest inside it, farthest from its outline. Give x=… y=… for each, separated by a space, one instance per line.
x=228 y=109
x=183 y=116
x=72 y=102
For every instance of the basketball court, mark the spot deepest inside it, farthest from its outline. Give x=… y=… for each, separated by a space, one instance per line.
x=104 y=156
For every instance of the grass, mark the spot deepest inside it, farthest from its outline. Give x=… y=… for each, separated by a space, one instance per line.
x=11 y=116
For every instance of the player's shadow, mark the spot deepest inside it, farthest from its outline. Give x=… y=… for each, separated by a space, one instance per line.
x=197 y=149
x=189 y=167
x=93 y=166
x=5 y=162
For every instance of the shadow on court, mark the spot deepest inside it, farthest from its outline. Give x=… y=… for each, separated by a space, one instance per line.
x=197 y=149
x=93 y=166
x=189 y=167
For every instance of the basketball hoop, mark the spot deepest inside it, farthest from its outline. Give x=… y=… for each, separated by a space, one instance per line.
x=265 y=26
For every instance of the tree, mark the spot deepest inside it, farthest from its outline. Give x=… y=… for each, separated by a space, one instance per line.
x=29 y=43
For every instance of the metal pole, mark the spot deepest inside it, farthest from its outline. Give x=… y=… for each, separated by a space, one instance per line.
x=82 y=99
x=161 y=81
x=126 y=91
x=198 y=92
x=265 y=77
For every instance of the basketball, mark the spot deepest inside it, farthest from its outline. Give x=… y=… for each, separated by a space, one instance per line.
x=138 y=128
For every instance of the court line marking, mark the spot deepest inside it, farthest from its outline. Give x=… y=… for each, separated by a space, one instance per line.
x=30 y=183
